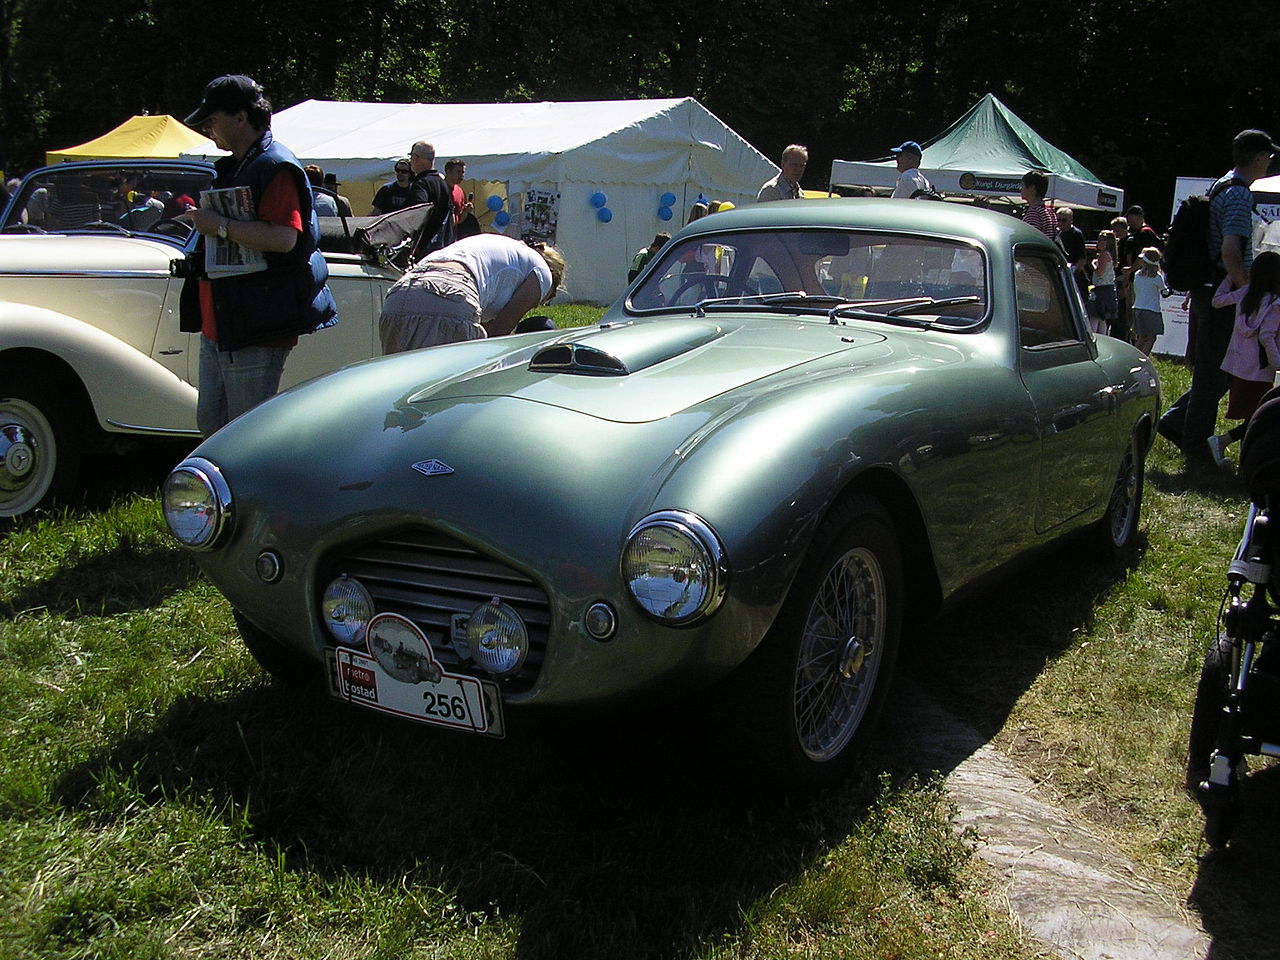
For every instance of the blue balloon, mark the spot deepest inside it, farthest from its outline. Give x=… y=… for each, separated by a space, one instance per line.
x=494 y=203
x=668 y=199
x=502 y=219
x=598 y=200
x=664 y=213
x=604 y=214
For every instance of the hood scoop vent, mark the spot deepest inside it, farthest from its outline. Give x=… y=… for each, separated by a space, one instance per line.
x=619 y=351
x=577 y=358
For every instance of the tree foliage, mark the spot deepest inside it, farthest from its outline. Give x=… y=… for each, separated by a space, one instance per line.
x=1138 y=90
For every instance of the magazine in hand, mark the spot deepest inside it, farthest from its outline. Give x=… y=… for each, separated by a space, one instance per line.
x=225 y=258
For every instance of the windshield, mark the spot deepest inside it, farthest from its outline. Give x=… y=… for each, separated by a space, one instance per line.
x=132 y=199
x=888 y=273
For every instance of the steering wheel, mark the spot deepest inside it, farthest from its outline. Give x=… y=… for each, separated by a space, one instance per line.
x=713 y=285
x=171 y=227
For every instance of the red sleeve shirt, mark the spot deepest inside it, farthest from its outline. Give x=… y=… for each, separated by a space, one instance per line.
x=280 y=206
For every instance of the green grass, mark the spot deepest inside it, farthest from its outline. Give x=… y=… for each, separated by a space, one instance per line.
x=160 y=798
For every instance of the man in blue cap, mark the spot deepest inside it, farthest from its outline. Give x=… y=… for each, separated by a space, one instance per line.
x=249 y=319
x=910 y=180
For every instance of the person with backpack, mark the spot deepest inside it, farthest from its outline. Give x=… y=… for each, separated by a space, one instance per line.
x=1190 y=421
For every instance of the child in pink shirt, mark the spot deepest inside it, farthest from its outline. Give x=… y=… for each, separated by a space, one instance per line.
x=1253 y=355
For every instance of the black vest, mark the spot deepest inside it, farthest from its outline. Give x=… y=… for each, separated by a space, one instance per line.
x=289 y=298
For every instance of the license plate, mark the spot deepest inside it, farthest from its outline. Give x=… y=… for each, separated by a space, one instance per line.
x=398 y=674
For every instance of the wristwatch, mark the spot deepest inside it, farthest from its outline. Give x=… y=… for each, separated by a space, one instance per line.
x=222 y=229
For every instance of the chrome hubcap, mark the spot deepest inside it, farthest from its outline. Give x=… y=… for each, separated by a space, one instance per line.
x=26 y=456
x=853 y=658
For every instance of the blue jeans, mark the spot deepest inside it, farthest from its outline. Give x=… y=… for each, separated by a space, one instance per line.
x=232 y=381
x=1193 y=415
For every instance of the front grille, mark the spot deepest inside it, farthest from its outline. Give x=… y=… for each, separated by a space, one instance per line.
x=427 y=577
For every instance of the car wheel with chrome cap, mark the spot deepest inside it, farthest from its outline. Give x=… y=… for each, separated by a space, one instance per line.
x=801 y=710
x=39 y=444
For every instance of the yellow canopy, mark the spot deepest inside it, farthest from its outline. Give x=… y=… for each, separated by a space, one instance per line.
x=162 y=136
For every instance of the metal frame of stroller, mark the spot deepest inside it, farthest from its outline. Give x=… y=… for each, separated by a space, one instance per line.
x=1237 y=708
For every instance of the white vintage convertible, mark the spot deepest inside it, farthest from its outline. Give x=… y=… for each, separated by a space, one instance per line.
x=91 y=357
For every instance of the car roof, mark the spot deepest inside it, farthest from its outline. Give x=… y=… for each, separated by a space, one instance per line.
x=929 y=217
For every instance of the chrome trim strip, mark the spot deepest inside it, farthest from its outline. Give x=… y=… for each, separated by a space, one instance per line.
x=169 y=431
x=89 y=274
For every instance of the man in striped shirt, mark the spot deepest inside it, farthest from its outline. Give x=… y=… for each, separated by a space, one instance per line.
x=1034 y=186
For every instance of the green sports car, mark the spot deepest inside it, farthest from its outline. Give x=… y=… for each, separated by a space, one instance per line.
x=804 y=424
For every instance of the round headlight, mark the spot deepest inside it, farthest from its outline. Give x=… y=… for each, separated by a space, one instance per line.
x=497 y=638
x=197 y=503
x=674 y=567
x=347 y=608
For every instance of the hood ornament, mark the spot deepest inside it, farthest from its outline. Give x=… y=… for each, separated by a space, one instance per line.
x=432 y=468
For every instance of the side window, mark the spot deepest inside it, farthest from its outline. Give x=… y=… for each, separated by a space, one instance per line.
x=1044 y=312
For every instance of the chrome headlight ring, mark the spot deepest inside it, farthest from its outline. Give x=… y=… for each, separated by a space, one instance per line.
x=197 y=504
x=674 y=567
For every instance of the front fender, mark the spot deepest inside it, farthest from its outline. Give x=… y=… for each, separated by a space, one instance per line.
x=130 y=392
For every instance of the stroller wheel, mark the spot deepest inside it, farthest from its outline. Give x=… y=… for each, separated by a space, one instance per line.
x=1221 y=812
x=1211 y=697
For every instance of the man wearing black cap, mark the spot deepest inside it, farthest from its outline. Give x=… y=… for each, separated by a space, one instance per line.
x=250 y=321
x=910 y=180
x=1189 y=423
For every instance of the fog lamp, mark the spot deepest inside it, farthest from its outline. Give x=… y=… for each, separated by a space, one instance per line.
x=497 y=638
x=347 y=608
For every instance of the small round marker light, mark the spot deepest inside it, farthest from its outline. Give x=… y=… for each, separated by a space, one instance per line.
x=600 y=621
x=268 y=566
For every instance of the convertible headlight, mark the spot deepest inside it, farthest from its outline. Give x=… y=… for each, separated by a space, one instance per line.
x=497 y=638
x=347 y=608
x=674 y=566
x=197 y=503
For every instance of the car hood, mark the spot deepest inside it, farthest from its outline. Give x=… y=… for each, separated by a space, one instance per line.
x=649 y=370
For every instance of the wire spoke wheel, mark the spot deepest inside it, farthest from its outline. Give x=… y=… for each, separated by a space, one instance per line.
x=841 y=649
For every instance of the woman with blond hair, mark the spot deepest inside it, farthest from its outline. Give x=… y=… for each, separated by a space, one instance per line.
x=478 y=287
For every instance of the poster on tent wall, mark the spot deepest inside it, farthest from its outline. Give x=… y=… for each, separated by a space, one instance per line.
x=540 y=215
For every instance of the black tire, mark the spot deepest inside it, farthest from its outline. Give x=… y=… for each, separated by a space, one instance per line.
x=1220 y=818
x=284 y=666
x=1118 y=530
x=40 y=442
x=801 y=710
x=1206 y=714
x=1221 y=809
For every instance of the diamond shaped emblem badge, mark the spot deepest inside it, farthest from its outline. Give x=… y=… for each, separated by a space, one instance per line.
x=432 y=468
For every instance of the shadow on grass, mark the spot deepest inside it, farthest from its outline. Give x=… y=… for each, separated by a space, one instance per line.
x=128 y=578
x=1235 y=890
x=981 y=657
x=601 y=837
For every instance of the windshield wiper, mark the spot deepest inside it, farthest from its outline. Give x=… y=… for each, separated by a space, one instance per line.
x=857 y=311
x=700 y=307
x=926 y=303
x=898 y=311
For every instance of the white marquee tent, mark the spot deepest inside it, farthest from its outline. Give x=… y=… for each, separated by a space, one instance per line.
x=632 y=154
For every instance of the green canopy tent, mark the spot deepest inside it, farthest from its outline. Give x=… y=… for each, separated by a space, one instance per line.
x=985 y=153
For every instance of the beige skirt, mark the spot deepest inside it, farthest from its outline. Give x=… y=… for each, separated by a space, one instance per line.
x=433 y=303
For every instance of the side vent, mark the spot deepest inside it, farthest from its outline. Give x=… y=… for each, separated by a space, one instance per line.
x=577 y=358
